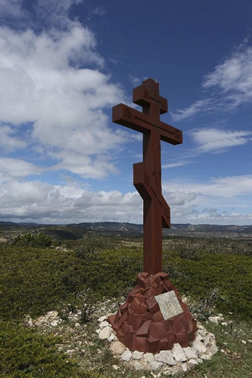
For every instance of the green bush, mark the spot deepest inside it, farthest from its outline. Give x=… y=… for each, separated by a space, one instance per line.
x=229 y=274
x=29 y=240
x=23 y=353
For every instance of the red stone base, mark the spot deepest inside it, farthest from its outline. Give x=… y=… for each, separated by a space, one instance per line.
x=139 y=323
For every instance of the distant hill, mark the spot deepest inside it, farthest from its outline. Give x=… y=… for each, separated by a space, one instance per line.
x=128 y=230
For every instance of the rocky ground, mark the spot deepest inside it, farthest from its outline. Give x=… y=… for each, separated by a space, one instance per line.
x=85 y=342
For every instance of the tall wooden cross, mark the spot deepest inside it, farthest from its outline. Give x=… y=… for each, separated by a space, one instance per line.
x=147 y=175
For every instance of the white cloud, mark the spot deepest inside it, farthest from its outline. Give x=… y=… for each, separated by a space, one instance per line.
x=53 y=13
x=12 y=10
x=134 y=80
x=223 y=200
x=233 y=77
x=66 y=204
x=222 y=187
x=219 y=201
x=45 y=82
x=192 y=110
x=8 y=141
x=98 y=11
x=175 y=165
x=215 y=140
x=11 y=169
x=179 y=197
x=232 y=82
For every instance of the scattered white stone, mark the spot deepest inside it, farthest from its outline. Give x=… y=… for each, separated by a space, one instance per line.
x=136 y=355
x=167 y=362
x=117 y=347
x=191 y=353
x=105 y=333
x=138 y=366
x=112 y=337
x=70 y=351
x=148 y=357
x=178 y=353
x=166 y=357
x=244 y=342
x=77 y=325
x=104 y=324
x=200 y=347
x=185 y=367
x=102 y=318
x=115 y=367
x=193 y=361
x=206 y=357
x=214 y=319
x=155 y=365
x=224 y=324
x=28 y=321
x=126 y=356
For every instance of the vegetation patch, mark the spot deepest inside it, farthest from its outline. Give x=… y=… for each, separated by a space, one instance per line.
x=81 y=273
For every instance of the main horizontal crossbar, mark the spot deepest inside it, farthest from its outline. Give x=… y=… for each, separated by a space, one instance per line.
x=144 y=123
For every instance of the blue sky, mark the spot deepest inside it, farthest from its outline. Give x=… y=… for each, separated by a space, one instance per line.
x=65 y=64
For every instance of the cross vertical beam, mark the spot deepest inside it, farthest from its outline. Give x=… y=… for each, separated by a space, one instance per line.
x=147 y=175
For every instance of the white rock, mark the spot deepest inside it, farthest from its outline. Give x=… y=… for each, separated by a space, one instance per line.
x=199 y=338
x=214 y=319
x=138 y=366
x=155 y=365
x=112 y=337
x=185 y=367
x=117 y=347
x=54 y=323
x=213 y=349
x=166 y=357
x=105 y=333
x=126 y=356
x=148 y=357
x=28 y=321
x=102 y=318
x=224 y=324
x=178 y=353
x=208 y=340
x=200 y=347
x=136 y=355
x=104 y=324
x=70 y=351
x=77 y=325
x=244 y=342
x=191 y=352
x=115 y=367
x=201 y=332
x=193 y=361
x=206 y=356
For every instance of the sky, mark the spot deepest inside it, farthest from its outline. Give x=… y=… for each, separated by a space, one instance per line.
x=65 y=64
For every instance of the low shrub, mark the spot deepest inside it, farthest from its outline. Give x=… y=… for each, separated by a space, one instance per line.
x=24 y=353
x=29 y=240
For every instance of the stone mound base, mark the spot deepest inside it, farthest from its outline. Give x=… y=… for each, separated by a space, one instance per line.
x=139 y=323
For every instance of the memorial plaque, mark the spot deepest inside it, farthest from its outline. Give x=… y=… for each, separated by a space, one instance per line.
x=169 y=304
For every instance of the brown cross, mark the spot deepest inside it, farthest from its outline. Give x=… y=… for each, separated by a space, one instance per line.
x=147 y=175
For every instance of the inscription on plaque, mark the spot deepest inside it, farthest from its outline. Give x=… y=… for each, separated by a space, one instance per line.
x=169 y=304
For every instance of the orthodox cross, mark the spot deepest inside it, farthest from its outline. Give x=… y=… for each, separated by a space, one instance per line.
x=147 y=175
